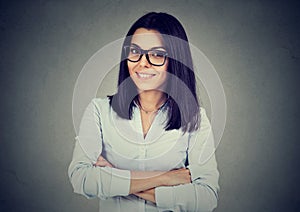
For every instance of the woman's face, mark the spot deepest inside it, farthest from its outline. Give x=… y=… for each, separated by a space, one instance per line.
x=145 y=75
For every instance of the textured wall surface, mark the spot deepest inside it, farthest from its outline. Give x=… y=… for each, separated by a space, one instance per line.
x=254 y=46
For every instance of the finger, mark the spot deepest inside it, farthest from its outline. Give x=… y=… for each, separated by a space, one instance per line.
x=100 y=163
x=100 y=158
x=103 y=164
x=109 y=165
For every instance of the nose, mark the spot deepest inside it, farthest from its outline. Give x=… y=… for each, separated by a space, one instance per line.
x=144 y=62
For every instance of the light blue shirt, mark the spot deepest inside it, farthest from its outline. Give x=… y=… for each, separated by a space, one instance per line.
x=122 y=143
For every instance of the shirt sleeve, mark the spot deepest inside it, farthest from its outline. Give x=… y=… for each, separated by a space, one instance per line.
x=202 y=193
x=87 y=179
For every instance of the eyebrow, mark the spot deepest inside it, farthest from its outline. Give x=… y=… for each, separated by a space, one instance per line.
x=153 y=48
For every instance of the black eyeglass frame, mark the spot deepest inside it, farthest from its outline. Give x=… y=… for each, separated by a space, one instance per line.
x=145 y=52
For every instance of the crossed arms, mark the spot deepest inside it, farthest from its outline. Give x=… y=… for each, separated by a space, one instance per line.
x=192 y=189
x=142 y=184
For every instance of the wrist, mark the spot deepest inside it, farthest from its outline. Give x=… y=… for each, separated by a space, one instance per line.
x=162 y=180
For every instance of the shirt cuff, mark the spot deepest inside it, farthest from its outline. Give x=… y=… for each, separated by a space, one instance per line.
x=165 y=198
x=120 y=182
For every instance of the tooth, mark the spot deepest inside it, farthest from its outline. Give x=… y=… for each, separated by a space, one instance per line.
x=143 y=75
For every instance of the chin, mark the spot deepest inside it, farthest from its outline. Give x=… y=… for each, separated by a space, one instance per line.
x=146 y=88
x=149 y=88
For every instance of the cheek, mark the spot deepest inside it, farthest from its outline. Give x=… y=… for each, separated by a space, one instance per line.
x=165 y=66
x=164 y=72
x=164 y=76
x=130 y=67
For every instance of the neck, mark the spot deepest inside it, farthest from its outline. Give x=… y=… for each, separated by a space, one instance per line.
x=151 y=100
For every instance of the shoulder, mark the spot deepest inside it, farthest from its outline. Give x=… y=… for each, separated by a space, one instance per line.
x=99 y=106
x=100 y=101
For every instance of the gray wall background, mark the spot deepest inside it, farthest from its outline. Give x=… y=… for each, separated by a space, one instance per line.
x=254 y=46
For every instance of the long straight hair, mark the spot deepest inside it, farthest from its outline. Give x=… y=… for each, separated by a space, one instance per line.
x=183 y=114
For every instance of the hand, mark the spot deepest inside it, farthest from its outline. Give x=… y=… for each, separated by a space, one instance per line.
x=147 y=195
x=102 y=162
x=176 y=177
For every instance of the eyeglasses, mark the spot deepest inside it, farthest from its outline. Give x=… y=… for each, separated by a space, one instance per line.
x=154 y=56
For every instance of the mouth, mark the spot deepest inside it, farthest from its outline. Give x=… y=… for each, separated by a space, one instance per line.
x=145 y=75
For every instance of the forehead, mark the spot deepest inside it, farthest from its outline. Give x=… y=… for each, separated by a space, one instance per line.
x=147 y=39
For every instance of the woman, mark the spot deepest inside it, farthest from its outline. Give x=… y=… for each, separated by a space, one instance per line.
x=139 y=149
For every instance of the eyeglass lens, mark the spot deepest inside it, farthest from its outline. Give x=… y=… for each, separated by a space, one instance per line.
x=155 y=57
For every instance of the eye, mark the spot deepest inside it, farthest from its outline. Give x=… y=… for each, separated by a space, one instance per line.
x=134 y=50
x=158 y=54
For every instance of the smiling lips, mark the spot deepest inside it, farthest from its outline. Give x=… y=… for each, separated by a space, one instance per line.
x=144 y=75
